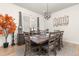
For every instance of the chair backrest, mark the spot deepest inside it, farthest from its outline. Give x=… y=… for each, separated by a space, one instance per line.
x=47 y=30
x=42 y=32
x=55 y=33
x=61 y=34
x=26 y=33
x=52 y=40
x=27 y=38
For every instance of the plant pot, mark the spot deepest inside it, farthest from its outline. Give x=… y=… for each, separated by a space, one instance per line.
x=5 y=45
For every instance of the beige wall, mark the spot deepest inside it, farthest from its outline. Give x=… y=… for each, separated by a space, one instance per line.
x=71 y=33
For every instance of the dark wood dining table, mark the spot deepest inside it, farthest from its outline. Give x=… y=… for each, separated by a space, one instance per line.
x=39 y=39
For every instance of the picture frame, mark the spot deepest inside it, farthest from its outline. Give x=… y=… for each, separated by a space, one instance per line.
x=61 y=21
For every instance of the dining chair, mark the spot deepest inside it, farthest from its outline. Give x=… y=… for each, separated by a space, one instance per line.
x=47 y=30
x=52 y=44
x=61 y=38
x=29 y=45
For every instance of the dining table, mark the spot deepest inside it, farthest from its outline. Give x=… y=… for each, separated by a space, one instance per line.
x=39 y=39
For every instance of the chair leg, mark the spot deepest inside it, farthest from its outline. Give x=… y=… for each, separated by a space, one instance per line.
x=25 y=50
x=59 y=47
x=30 y=51
x=61 y=44
x=55 y=53
x=48 y=53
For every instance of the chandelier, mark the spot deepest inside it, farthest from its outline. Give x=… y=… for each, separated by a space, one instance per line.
x=46 y=13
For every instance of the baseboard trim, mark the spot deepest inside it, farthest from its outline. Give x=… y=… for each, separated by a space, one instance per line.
x=73 y=42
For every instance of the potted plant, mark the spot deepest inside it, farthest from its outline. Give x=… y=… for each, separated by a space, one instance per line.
x=7 y=27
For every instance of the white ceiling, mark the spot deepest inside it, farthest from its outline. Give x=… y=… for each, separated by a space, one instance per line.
x=41 y=7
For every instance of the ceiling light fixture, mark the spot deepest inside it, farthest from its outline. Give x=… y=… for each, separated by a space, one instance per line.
x=47 y=13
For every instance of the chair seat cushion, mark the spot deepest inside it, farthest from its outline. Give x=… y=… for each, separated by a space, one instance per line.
x=45 y=47
x=48 y=47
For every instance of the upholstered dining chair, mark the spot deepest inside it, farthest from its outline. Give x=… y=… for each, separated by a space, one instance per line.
x=29 y=45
